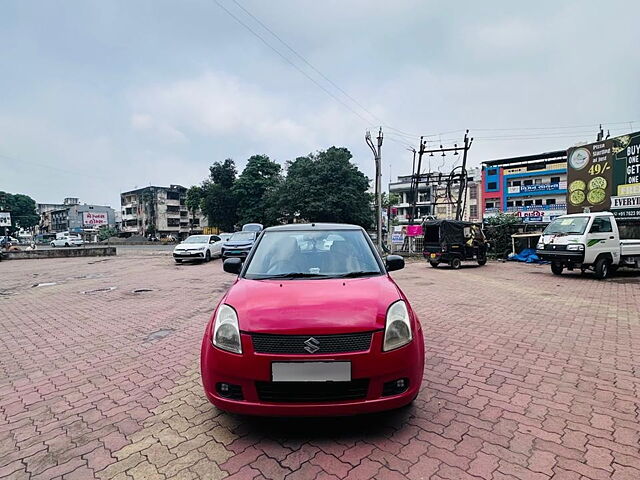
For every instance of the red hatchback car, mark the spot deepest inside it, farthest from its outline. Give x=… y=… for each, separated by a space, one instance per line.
x=313 y=325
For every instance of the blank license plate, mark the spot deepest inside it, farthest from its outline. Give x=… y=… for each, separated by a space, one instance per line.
x=311 y=372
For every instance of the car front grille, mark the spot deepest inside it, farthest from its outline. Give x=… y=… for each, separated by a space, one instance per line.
x=311 y=344
x=312 y=392
x=554 y=247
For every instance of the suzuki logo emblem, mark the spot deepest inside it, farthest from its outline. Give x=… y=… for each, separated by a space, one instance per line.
x=311 y=345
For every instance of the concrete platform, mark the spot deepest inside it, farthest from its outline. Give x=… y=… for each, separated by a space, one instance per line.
x=62 y=252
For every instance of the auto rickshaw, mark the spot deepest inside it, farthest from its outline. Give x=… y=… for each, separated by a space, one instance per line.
x=452 y=242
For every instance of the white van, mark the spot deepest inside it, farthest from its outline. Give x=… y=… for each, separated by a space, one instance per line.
x=587 y=241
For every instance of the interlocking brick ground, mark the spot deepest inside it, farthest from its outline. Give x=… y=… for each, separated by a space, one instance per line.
x=528 y=376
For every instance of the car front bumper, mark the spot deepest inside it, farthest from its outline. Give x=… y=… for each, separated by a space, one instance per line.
x=196 y=254
x=235 y=253
x=564 y=256
x=375 y=365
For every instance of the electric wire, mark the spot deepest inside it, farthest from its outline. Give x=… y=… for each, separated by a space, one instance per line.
x=286 y=59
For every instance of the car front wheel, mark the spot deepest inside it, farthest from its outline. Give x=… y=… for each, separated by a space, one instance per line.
x=207 y=256
x=601 y=268
x=557 y=268
x=455 y=263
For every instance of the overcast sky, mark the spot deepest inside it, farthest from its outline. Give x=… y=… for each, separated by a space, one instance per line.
x=99 y=97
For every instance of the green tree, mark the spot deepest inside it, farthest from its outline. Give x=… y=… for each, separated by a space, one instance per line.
x=218 y=200
x=390 y=199
x=193 y=202
x=22 y=208
x=105 y=233
x=326 y=187
x=498 y=231
x=256 y=191
x=223 y=173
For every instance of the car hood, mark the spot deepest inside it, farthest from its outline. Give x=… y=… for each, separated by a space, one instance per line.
x=190 y=246
x=239 y=243
x=554 y=239
x=328 y=306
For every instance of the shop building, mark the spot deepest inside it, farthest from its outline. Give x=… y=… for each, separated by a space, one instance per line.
x=533 y=187
x=437 y=197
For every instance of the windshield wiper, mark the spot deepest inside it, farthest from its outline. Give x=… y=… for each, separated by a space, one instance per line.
x=293 y=275
x=357 y=274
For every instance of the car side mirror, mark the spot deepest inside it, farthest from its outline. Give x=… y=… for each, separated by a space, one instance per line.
x=232 y=265
x=394 y=262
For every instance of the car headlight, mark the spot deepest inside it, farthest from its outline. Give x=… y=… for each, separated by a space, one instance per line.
x=575 y=247
x=397 y=330
x=226 y=333
x=540 y=246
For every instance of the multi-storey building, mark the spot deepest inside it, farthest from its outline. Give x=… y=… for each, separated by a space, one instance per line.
x=436 y=198
x=159 y=211
x=402 y=188
x=73 y=217
x=533 y=187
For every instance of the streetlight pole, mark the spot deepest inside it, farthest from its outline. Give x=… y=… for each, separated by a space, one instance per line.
x=377 y=156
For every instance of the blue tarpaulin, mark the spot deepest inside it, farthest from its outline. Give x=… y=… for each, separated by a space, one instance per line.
x=528 y=255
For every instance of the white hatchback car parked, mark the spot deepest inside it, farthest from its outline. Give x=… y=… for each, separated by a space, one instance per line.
x=198 y=247
x=67 y=242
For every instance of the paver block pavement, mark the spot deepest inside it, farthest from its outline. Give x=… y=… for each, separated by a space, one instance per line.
x=527 y=376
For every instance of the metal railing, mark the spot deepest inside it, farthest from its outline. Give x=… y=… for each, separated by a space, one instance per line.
x=411 y=246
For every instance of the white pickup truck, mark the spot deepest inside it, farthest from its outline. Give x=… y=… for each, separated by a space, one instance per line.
x=587 y=241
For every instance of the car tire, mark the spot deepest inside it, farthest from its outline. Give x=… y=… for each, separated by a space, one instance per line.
x=482 y=261
x=53 y=245
x=557 y=268
x=207 y=256
x=178 y=260
x=455 y=263
x=434 y=264
x=601 y=268
x=66 y=244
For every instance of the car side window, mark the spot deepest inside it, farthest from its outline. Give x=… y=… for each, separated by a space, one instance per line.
x=601 y=225
x=605 y=225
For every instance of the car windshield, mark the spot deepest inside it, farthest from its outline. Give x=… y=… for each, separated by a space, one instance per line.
x=197 y=239
x=313 y=254
x=567 y=225
x=242 y=236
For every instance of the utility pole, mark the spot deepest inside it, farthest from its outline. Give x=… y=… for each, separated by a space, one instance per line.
x=432 y=182
x=416 y=181
x=463 y=176
x=377 y=156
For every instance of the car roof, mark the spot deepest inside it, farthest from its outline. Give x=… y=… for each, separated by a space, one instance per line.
x=595 y=214
x=307 y=227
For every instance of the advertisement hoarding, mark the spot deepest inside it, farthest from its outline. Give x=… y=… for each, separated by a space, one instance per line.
x=5 y=219
x=90 y=219
x=605 y=176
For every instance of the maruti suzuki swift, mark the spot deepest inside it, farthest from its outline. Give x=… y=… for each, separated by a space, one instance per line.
x=313 y=325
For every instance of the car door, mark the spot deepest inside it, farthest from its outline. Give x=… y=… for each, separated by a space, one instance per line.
x=215 y=245
x=602 y=239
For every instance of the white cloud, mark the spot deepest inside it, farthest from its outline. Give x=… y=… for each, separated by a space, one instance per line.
x=217 y=105
x=145 y=122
